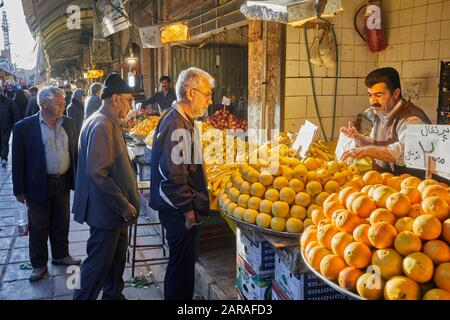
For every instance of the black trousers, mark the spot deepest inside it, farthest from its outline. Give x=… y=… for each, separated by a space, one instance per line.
x=51 y=219
x=103 y=268
x=180 y=273
x=4 y=143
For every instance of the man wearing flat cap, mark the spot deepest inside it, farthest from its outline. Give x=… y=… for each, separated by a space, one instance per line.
x=106 y=195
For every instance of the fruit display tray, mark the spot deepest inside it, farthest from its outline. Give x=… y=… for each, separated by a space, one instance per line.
x=263 y=230
x=349 y=294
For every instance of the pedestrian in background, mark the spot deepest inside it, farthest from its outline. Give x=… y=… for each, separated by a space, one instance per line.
x=75 y=110
x=44 y=152
x=32 y=106
x=21 y=102
x=9 y=114
x=93 y=102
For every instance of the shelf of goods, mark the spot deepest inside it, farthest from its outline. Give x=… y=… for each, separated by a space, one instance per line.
x=385 y=239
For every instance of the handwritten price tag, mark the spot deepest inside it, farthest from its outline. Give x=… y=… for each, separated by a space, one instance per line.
x=428 y=140
x=305 y=138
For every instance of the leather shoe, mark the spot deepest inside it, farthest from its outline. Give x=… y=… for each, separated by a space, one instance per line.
x=38 y=273
x=67 y=261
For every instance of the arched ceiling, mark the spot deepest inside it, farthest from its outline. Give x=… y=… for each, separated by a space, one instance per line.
x=63 y=46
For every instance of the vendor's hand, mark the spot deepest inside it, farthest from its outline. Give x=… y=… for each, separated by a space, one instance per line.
x=355 y=153
x=190 y=219
x=129 y=213
x=350 y=131
x=21 y=198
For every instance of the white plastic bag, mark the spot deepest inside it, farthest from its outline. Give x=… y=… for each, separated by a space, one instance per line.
x=22 y=219
x=327 y=51
x=344 y=144
x=315 y=53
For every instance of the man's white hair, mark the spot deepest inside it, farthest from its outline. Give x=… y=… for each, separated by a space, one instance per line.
x=46 y=94
x=191 y=79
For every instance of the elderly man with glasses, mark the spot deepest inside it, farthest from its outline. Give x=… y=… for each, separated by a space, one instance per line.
x=179 y=188
x=106 y=195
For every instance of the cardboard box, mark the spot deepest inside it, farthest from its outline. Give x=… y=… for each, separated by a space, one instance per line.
x=252 y=285
x=293 y=282
x=255 y=251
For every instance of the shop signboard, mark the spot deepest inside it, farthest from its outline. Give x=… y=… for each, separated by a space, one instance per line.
x=111 y=17
x=151 y=36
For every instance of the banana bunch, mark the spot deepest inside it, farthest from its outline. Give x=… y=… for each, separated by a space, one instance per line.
x=323 y=150
x=218 y=175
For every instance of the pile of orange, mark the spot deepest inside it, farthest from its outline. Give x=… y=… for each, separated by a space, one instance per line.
x=387 y=239
x=285 y=194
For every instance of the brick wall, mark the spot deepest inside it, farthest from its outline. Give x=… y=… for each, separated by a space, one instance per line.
x=417 y=31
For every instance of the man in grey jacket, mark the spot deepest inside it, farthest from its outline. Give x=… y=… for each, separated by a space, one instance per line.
x=106 y=195
x=93 y=102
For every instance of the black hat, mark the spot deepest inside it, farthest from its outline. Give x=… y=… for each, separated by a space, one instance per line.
x=114 y=84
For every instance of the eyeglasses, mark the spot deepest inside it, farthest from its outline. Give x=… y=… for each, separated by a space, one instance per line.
x=207 y=96
x=130 y=101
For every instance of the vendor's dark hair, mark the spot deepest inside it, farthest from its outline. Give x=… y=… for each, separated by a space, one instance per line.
x=388 y=76
x=165 y=78
x=33 y=89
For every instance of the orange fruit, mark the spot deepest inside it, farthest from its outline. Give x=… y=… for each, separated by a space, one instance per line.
x=280 y=209
x=310 y=234
x=426 y=183
x=331 y=265
x=357 y=255
x=330 y=207
x=325 y=233
x=307 y=222
x=401 y=288
x=381 y=215
x=287 y=195
x=316 y=255
x=446 y=230
x=372 y=177
x=386 y=176
x=361 y=234
x=394 y=183
x=298 y=212
x=407 y=242
x=380 y=195
x=297 y=185
x=344 y=193
x=398 y=203
x=389 y=261
x=442 y=276
x=347 y=221
x=436 y=294
x=413 y=194
x=272 y=195
x=415 y=210
x=280 y=183
x=339 y=242
x=313 y=188
x=331 y=197
x=311 y=245
x=370 y=286
x=317 y=215
x=382 y=235
x=418 y=267
x=404 y=224
x=351 y=198
x=404 y=176
x=438 y=251
x=427 y=227
x=366 y=189
x=436 y=206
x=303 y=199
x=335 y=215
x=436 y=191
x=363 y=206
x=411 y=182
x=321 y=197
x=348 y=277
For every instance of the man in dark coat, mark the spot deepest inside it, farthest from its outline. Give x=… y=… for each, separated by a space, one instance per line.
x=32 y=106
x=162 y=99
x=44 y=152
x=9 y=114
x=21 y=102
x=75 y=110
x=106 y=196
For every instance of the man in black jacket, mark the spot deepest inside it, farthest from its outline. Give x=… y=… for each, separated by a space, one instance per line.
x=179 y=188
x=9 y=114
x=32 y=106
